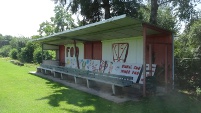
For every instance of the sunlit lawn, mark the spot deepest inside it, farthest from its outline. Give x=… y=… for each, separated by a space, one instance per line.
x=21 y=92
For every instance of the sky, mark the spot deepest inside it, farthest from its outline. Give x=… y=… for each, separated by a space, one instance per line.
x=22 y=17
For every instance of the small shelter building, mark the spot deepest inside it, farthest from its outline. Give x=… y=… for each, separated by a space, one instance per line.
x=120 y=46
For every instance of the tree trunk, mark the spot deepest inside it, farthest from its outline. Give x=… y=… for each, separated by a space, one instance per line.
x=106 y=6
x=154 y=10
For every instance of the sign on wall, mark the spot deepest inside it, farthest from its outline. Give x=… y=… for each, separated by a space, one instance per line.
x=118 y=68
x=72 y=51
x=120 y=52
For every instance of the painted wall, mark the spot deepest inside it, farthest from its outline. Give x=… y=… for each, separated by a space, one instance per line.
x=68 y=50
x=135 y=50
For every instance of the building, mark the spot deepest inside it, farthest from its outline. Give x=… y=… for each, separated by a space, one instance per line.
x=120 y=45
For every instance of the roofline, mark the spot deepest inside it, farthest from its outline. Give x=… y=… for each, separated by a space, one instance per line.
x=82 y=27
x=156 y=28
x=148 y=25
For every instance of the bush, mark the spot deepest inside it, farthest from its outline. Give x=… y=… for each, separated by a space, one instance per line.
x=26 y=54
x=4 y=51
x=37 y=55
x=13 y=53
x=188 y=74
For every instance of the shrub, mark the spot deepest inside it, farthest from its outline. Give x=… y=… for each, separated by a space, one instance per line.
x=37 y=55
x=13 y=53
x=188 y=74
x=4 y=51
x=26 y=54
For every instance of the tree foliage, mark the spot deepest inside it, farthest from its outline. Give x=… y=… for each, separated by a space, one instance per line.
x=4 y=51
x=18 y=42
x=96 y=10
x=13 y=53
x=37 y=55
x=46 y=28
x=184 y=9
x=188 y=57
x=60 y=22
x=26 y=54
x=165 y=19
x=93 y=10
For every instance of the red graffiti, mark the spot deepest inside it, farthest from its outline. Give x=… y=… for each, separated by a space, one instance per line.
x=137 y=68
x=126 y=66
x=73 y=52
x=135 y=73
x=125 y=71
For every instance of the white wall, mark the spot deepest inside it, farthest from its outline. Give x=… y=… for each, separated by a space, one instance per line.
x=135 y=52
x=50 y=47
x=81 y=51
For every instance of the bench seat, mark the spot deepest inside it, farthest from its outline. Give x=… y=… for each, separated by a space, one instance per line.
x=112 y=79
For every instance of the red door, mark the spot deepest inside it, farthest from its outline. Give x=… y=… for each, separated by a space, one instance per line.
x=62 y=55
x=97 y=51
x=88 y=51
x=93 y=50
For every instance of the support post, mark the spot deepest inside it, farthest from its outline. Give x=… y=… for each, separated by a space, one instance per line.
x=42 y=53
x=150 y=60
x=144 y=60
x=76 y=55
x=87 y=83
x=172 y=61
x=113 y=89
x=166 y=67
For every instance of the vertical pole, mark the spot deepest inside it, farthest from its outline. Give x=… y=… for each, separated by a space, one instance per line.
x=57 y=54
x=76 y=55
x=172 y=61
x=150 y=60
x=166 y=66
x=42 y=54
x=144 y=60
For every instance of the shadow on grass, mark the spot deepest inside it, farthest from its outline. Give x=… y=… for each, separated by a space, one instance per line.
x=78 y=102
x=75 y=101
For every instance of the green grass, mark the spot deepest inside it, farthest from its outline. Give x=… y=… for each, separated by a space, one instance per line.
x=21 y=92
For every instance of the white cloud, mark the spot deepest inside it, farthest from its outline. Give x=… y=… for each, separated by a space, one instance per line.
x=22 y=17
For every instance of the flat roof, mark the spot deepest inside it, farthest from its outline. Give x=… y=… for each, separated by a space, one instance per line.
x=114 y=28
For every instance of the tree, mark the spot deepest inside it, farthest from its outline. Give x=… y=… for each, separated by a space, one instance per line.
x=46 y=28
x=165 y=17
x=4 y=40
x=188 y=57
x=13 y=53
x=184 y=9
x=130 y=8
x=4 y=51
x=26 y=54
x=18 y=42
x=60 y=22
x=93 y=10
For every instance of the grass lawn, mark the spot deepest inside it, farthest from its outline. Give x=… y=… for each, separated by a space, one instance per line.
x=21 y=92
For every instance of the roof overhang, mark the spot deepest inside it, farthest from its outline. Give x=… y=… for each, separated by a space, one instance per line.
x=113 y=28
